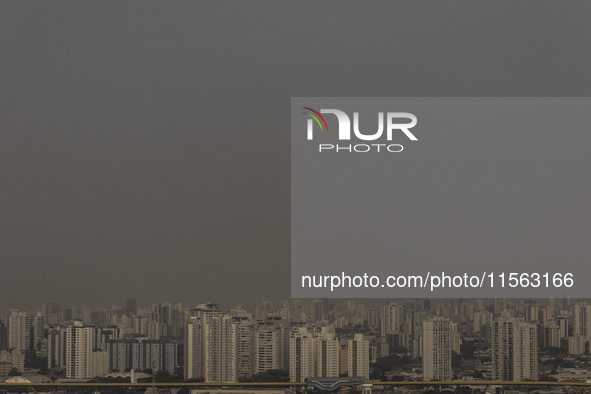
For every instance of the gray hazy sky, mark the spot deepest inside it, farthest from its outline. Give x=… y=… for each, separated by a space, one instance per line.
x=144 y=145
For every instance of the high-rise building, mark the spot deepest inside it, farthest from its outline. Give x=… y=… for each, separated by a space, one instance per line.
x=229 y=342
x=140 y=355
x=455 y=339
x=358 y=357
x=499 y=303
x=131 y=307
x=437 y=335
x=481 y=318
x=84 y=358
x=67 y=315
x=56 y=347
x=38 y=327
x=563 y=325
x=19 y=331
x=502 y=349
x=514 y=350
x=15 y=357
x=245 y=333
x=269 y=346
x=98 y=318
x=582 y=319
x=194 y=357
x=581 y=333
x=532 y=311
x=327 y=354
x=3 y=336
x=301 y=354
x=393 y=316
x=577 y=344
x=52 y=314
x=525 y=352
x=211 y=345
x=551 y=335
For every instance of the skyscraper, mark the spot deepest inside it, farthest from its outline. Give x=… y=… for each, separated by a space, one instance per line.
x=499 y=302
x=38 y=327
x=327 y=354
x=525 y=352
x=139 y=354
x=551 y=334
x=582 y=319
x=269 y=345
x=301 y=354
x=211 y=345
x=56 y=347
x=84 y=359
x=563 y=325
x=19 y=333
x=131 y=307
x=514 y=350
x=245 y=331
x=393 y=316
x=358 y=357
x=437 y=337
x=3 y=336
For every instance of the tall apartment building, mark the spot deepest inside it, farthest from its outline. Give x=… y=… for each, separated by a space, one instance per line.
x=56 y=347
x=532 y=311
x=140 y=355
x=38 y=327
x=582 y=319
x=392 y=319
x=52 y=314
x=327 y=350
x=131 y=308
x=19 y=331
x=211 y=345
x=525 y=352
x=551 y=334
x=514 y=350
x=15 y=357
x=577 y=345
x=455 y=338
x=229 y=350
x=437 y=337
x=563 y=325
x=270 y=345
x=301 y=354
x=481 y=319
x=245 y=333
x=3 y=336
x=84 y=358
x=358 y=357
x=500 y=303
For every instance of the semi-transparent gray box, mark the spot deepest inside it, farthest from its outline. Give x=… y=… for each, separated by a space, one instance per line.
x=488 y=187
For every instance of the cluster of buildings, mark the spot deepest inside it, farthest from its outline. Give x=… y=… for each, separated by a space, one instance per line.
x=444 y=340
x=227 y=347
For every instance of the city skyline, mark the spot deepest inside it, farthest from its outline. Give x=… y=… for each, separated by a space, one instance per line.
x=122 y=304
x=416 y=340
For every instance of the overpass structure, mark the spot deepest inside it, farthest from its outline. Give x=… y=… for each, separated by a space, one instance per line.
x=332 y=384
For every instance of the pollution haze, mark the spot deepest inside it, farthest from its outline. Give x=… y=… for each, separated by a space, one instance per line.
x=144 y=145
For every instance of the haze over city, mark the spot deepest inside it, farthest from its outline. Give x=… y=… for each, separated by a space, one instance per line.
x=144 y=146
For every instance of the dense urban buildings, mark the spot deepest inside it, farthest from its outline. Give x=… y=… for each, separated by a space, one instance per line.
x=430 y=340
x=19 y=331
x=514 y=350
x=358 y=356
x=84 y=357
x=437 y=339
